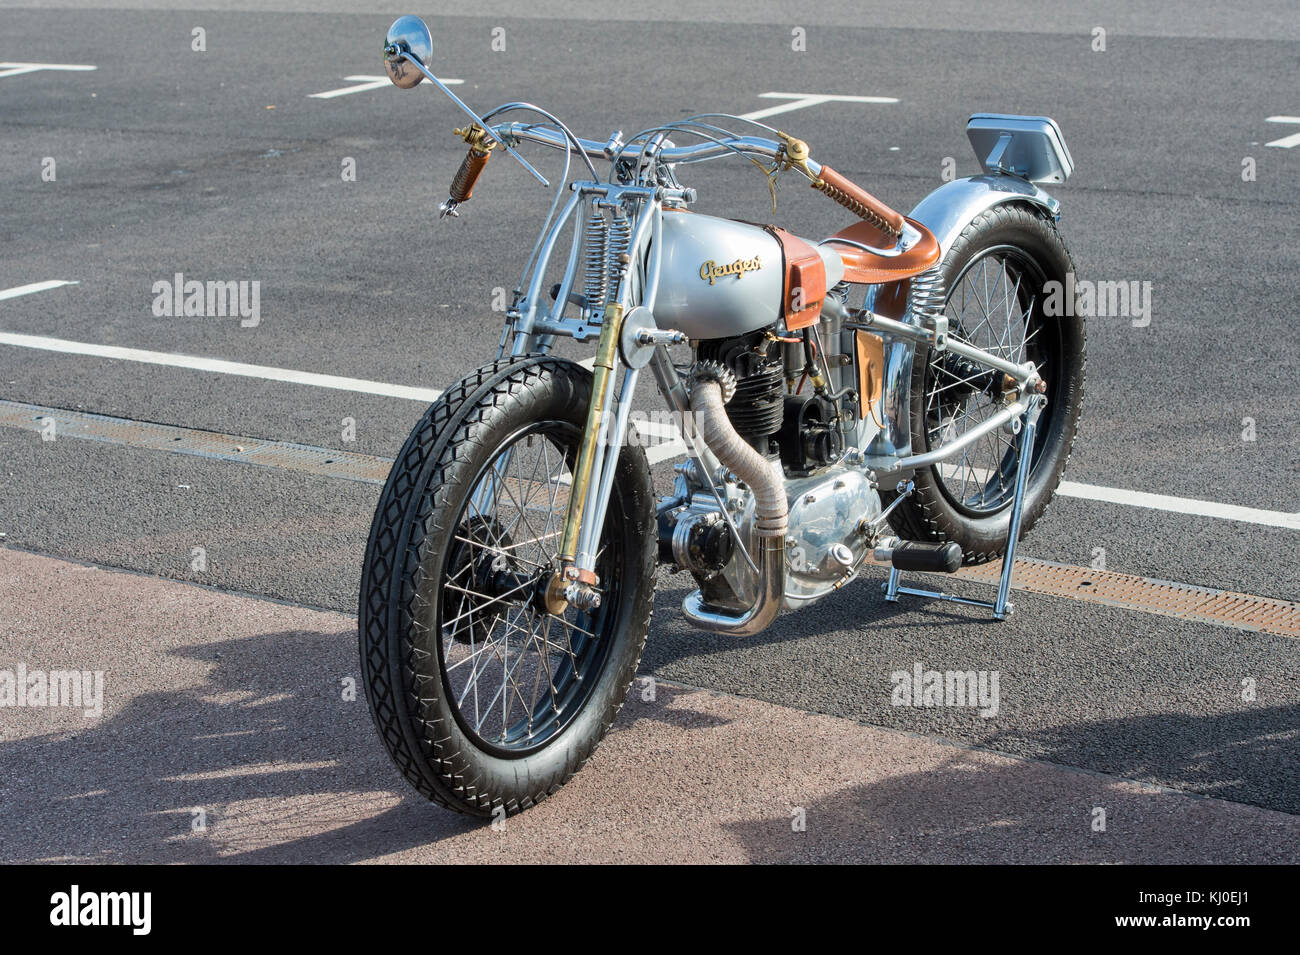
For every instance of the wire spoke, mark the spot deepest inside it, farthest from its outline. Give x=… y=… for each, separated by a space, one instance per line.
x=516 y=673
x=991 y=306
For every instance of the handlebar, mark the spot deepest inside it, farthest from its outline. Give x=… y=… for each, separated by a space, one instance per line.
x=824 y=179
x=697 y=152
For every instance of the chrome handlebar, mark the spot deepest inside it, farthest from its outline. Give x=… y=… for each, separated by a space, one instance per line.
x=614 y=149
x=697 y=152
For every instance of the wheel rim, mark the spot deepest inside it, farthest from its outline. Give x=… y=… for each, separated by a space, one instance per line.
x=993 y=304
x=515 y=674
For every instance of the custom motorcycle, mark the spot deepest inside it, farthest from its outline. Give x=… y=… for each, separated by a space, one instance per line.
x=894 y=394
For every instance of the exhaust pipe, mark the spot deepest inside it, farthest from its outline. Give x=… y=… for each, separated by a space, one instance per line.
x=713 y=385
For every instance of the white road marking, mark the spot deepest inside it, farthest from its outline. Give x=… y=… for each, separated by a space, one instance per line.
x=1286 y=142
x=220 y=366
x=19 y=290
x=18 y=69
x=367 y=83
x=1181 y=505
x=671 y=448
x=1159 y=502
x=804 y=100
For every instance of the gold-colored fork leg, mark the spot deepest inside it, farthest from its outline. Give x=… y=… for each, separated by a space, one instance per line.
x=606 y=355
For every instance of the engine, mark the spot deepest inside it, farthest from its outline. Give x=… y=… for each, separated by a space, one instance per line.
x=791 y=405
x=775 y=407
x=757 y=408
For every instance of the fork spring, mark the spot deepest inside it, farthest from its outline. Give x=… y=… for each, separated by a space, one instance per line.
x=594 y=254
x=607 y=239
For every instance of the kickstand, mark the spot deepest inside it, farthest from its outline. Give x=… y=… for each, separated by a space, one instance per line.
x=1002 y=606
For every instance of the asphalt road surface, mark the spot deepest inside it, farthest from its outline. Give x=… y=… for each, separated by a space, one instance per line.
x=225 y=164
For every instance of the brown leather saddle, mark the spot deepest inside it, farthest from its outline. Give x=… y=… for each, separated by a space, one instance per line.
x=868 y=268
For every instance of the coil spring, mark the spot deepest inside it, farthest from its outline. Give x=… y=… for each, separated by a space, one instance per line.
x=926 y=296
x=606 y=241
x=594 y=246
x=857 y=208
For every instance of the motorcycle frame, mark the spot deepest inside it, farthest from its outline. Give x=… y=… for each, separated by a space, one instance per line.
x=532 y=326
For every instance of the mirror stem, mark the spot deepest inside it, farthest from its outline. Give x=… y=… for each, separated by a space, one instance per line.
x=472 y=115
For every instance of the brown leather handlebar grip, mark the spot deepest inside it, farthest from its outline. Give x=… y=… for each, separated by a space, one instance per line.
x=462 y=187
x=860 y=202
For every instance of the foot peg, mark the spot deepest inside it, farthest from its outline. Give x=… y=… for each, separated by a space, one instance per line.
x=926 y=558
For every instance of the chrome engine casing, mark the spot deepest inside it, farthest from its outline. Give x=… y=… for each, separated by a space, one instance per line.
x=829 y=535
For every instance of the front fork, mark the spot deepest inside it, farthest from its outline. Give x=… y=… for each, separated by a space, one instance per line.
x=575 y=580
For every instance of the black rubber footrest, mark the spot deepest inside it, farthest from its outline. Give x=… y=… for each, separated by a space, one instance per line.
x=928 y=558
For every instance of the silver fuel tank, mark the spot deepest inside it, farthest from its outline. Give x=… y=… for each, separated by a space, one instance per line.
x=721 y=277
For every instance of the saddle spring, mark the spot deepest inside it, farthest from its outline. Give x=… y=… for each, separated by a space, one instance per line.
x=926 y=296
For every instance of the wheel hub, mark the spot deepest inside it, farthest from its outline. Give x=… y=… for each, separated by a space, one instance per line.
x=482 y=575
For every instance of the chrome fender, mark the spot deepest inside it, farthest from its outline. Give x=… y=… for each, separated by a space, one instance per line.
x=954 y=205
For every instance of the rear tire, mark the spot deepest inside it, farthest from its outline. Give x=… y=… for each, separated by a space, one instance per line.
x=968 y=500
x=563 y=679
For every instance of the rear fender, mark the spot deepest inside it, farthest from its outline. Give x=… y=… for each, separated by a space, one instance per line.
x=956 y=204
x=945 y=212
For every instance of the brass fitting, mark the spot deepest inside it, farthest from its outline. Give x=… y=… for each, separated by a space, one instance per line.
x=796 y=153
x=477 y=138
x=602 y=370
x=555 y=600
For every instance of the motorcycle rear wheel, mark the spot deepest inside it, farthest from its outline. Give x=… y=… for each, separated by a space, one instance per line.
x=995 y=274
x=484 y=700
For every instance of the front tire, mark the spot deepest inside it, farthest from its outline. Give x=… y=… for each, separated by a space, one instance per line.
x=484 y=700
x=995 y=274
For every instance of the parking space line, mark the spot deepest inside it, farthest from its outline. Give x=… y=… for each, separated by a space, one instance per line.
x=805 y=100
x=1180 y=505
x=366 y=83
x=220 y=366
x=18 y=69
x=1286 y=142
x=20 y=290
x=1158 y=502
x=671 y=448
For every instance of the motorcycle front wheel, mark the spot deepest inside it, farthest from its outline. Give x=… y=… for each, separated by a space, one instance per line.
x=484 y=700
x=997 y=275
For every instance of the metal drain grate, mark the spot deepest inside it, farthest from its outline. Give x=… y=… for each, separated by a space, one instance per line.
x=1162 y=597
x=325 y=462
x=1126 y=591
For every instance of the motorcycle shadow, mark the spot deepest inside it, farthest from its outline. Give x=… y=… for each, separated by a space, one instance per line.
x=261 y=756
x=955 y=805
x=860 y=606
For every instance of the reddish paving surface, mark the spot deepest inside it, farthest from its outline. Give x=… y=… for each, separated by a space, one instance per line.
x=235 y=706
